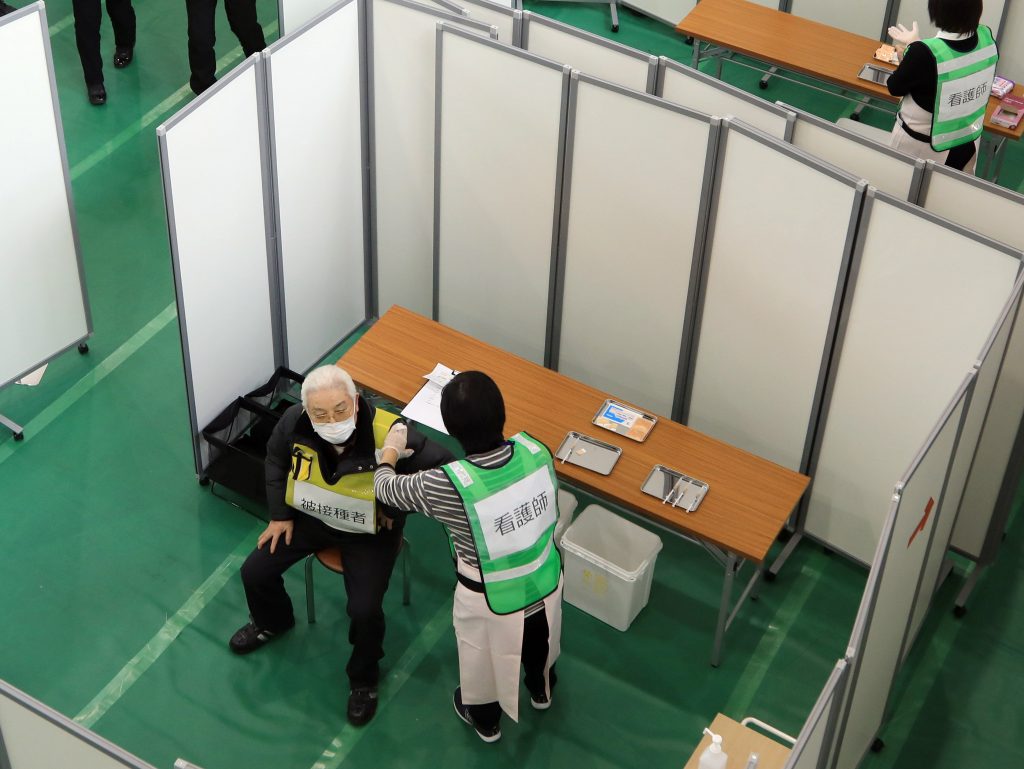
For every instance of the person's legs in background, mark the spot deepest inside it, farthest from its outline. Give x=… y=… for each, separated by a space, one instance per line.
x=87 y=35
x=202 y=36
x=122 y=17
x=242 y=19
x=6 y=9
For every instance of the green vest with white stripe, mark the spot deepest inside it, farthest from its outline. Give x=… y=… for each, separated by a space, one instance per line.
x=962 y=90
x=512 y=512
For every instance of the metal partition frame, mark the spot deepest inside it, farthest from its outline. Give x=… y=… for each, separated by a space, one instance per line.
x=364 y=164
x=273 y=280
x=759 y=104
x=827 y=707
x=688 y=295
x=86 y=329
x=866 y=615
x=853 y=219
x=841 y=343
x=442 y=30
x=530 y=19
x=892 y=156
x=488 y=12
x=408 y=187
x=661 y=10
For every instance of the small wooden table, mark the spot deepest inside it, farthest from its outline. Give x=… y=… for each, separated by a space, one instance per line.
x=810 y=48
x=739 y=742
x=749 y=499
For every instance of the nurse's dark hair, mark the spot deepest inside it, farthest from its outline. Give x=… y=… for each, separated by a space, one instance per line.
x=474 y=411
x=959 y=16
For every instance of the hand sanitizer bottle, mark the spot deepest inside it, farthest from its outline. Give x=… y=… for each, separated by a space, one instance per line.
x=713 y=757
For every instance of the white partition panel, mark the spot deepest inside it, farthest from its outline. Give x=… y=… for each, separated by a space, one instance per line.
x=668 y=11
x=772 y=280
x=989 y=364
x=220 y=244
x=43 y=305
x=495 y=14
x=902 y=351
x=881 y=166
x=908 y=11
x=865 y=17
x=895 y=570
x=816 y=735
x=591 y=54
x=293 y=14
x=34 y=736
x=496 y=204
x=996 y=212
x=632 y=225
x=315 y=88
x=1011 y=43
x=403 y=41
x=684 y=85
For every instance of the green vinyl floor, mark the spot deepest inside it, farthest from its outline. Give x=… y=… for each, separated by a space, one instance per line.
x=120 y=572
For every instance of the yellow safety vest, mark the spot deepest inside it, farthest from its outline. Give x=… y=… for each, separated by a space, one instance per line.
x=349 y=504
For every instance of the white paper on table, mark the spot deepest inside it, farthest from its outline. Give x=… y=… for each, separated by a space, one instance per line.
x=34 y=378
x=425 y=407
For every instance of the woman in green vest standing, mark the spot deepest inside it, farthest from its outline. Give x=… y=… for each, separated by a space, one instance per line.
x=499 y=508
x=945 y=83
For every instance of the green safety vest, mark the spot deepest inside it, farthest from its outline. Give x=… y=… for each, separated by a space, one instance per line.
x=349 y=504
x=512 y=513
x=962 y=90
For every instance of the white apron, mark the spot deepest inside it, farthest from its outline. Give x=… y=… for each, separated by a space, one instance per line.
x=490 y=645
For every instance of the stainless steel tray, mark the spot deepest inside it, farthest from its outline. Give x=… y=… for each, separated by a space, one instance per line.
x=625 y=420
x=675 y=488
x=589 y=453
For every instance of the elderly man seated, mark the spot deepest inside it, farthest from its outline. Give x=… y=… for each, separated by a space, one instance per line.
x=319 y=467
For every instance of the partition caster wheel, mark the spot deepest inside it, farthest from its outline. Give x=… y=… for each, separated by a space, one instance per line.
x=785 y=535
x=959 y=611
x=689 y=41
x=769 y=576
x=828 y=551
x=83 y=348
x=855 y=116
x=19 y=436
x=615 y=27
x=877 y=745
x=204 y=480
x=762 y=84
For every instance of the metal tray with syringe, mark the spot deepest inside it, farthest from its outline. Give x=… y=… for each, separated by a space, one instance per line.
x=587 y=452
x=674 y=488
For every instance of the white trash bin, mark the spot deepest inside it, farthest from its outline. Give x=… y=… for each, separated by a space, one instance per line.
x=609 y=565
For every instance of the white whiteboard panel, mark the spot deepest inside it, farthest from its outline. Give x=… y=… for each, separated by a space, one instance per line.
x=899 y=564
x=668 y=11
x=773 y=268
x=37 y=737
x=693 y=89
x=901 y=355
x=881 y=166
x=292 y=14
x=43 y=308
x=403 y=99
x=908 y=11
x=1011 y=44
x=493 y=14
x=816 y=734
x=991 y=361
x=632 y=190
x=219 y=242
x=995 y=212
x=864 y=17
x=496 y=202
x=589 y=53
x=316 y=129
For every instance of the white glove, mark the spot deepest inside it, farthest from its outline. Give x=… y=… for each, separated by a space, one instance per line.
x=903 y=36
x=396 y=439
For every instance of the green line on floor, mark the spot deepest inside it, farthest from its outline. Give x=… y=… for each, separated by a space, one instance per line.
x=107 y=366
x=336 y=753
x=166 y=635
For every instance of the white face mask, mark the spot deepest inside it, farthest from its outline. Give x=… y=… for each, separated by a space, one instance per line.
x=335 y=432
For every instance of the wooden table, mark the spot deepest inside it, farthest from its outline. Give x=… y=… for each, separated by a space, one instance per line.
x=749 y=499
x=739 y=742
x=808 y=47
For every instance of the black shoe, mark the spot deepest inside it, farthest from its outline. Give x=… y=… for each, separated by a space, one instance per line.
x=540 y=701
x=6 y=9
x=487 y=734
x=123 y=57
x=362 y=704
x=249 y=638
x=97 y=94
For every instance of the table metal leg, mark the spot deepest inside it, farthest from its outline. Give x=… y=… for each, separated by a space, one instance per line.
x=615 y=16
x=14 y=427
x=723 y=609
x=763 y=83
x=695 y=62
x=777 y=564
x=862 y=103
x=960 y=607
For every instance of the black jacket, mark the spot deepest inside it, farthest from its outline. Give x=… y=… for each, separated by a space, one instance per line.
x=358 y=457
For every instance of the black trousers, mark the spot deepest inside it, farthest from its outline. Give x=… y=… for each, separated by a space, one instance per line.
x=534 y=658
x=368 y=560
x=202 y=36
x=88 y=15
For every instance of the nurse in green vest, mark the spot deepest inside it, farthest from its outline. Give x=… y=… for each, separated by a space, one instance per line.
x=498 y=506
x=944 y=82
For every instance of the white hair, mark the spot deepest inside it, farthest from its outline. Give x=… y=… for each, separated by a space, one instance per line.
x=327 y=378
